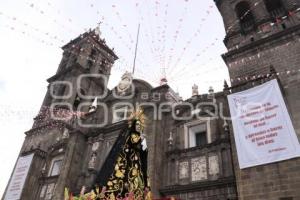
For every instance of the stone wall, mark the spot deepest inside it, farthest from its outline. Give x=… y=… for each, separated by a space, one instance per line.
x=277 y=180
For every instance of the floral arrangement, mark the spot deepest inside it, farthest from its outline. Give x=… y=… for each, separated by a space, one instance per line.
x=100 y=195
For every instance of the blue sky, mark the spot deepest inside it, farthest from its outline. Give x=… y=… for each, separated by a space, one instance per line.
x=183 y=36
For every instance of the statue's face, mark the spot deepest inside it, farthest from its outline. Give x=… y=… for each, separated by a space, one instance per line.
x=138 y=126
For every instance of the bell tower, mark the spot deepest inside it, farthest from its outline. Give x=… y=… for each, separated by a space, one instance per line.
x=260 y=33
x=84 y=71
x=53 y=145
x=262 y=38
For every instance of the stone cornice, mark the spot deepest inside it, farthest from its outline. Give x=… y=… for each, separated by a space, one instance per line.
x=57 y=123
x=92 y=36
x=207 y=146
x=262 y=41
x=199 y=186
x=36 y=151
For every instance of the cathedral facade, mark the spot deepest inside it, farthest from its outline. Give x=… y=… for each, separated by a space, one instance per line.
x=192 y=154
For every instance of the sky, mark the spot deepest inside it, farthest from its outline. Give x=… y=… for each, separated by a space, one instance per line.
x=184 y=38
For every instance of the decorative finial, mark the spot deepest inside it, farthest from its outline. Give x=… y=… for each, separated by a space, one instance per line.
x=97 y=29
x=211 y=90
x=43 y=171
x=195 y=90
x=163 y=80
x=170 y=139
x=225 y=125
x=211 y=93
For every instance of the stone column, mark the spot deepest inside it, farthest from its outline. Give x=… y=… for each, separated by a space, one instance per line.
x=169 y=174
x=100 y=150
x=176 y=171
x=89 y=151
x=221 y=166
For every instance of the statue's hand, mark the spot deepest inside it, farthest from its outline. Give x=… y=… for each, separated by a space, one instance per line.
x=144 y=144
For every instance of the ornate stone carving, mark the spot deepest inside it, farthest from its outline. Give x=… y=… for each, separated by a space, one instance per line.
x=92 y=162
x=49 y=192
x=125 y=83
x=43 y=191
x=145 y=95
x=199 y=169
x=170 y=139
x=213 y=162
x=195 y=91
x=95 y=146
x=211 y=90
x=183 y=170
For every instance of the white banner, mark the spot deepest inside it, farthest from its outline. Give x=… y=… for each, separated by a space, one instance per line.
x=262 y=127
x=18 y=178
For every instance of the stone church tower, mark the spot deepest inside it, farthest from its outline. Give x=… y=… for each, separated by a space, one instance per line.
x=51 y=139
x=263 y=38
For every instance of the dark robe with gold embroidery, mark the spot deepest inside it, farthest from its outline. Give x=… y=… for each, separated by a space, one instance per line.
x=124 y=172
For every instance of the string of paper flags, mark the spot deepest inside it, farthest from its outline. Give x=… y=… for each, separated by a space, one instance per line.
x=54 y=20
x=174 y=71
x=189 y=41
x=70 y=20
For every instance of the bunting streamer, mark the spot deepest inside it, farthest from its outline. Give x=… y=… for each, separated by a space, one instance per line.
x=188 y=43
x=54 y=20
x=162 y=50
x=175 y=37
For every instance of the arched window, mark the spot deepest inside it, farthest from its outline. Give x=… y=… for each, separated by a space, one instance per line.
x=275 y=8
x=245 y=16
